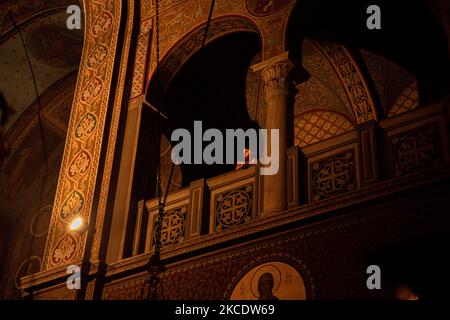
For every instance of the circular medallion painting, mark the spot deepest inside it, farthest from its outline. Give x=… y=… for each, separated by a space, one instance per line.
x=270 y=281
x=265 y=7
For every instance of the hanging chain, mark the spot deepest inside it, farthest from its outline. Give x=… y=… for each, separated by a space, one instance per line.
x=161 y=204
x=208 y=22
x=155 y=266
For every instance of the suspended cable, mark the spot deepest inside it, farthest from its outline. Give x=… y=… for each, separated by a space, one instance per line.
x=159 y=187
x=148 y=104
x=208 y=22
x=155 y=266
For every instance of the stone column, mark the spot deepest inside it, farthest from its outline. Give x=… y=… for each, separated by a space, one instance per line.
x=275 y=73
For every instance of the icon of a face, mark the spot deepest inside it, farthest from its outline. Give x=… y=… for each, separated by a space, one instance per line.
x=265 y=287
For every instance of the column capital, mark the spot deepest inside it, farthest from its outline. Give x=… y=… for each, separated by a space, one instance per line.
x=275 y=72
x=282 y=58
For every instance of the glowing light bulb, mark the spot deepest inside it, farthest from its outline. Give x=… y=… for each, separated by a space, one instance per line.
x=77 y=225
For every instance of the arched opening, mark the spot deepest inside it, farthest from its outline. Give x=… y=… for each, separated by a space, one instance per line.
x=210 y=87
x=410 y=36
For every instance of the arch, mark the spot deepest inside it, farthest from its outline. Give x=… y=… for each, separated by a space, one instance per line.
x=352 y=80
x=191 y=43
x=210 y=87
x=92 y=96
x=332 y=68
x=421 y=49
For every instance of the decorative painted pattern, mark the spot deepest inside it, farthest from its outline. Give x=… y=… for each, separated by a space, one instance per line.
x=233 y=207
x=408 y=100
x=333 y=176
x=78 y=175
x=353 y=82
x=315 y=126
x=173 y=226
x=265 y=7
x=191 y=43
x=140 y=64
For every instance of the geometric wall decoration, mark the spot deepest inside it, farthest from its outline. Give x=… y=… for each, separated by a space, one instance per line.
x=192 y=42
x=408 y=100
x=173 y=227
x=332 y=176
x=352 y=81
x=233 y=207
x=315 y=126
x=323 y=90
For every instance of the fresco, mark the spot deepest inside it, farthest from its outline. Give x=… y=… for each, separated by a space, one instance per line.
x=270 y=281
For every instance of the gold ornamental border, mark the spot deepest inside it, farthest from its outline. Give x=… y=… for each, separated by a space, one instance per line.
x=78 y=175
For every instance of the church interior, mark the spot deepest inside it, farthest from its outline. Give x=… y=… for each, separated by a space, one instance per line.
x=87 y=181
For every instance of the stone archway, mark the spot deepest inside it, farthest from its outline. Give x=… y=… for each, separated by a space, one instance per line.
x=344 y=66
x=192 y=42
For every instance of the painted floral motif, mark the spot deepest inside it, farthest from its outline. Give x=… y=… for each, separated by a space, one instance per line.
x=85 y=127
x=72 y=206
x=102 y=24
x=79 y=165
x=64 y=250
x=91 y=91
x=97 y=57
x=352 y=81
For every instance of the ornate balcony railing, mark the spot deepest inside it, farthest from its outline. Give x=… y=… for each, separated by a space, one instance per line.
x=232 y=199
x=182 y=218
x=232 y=202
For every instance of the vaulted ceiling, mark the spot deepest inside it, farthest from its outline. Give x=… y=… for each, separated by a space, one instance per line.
x=54 y=51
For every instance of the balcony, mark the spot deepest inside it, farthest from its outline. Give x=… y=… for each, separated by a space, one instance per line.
x=321 y=178
x=205 y=207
